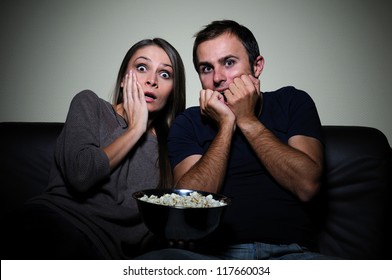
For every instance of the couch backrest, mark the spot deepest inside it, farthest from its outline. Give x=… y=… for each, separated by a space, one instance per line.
x=352 y=210
x=27 y=151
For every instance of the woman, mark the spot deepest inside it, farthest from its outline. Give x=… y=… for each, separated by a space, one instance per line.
x=104 y=154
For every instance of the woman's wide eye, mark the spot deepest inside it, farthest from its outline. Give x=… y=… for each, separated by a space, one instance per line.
x=141 y=68
x=165 y=75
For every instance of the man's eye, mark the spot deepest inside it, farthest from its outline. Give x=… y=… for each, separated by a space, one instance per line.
x=141 y=68
x=206 y=69
x=229 y=62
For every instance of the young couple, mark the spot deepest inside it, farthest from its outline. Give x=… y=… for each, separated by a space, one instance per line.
x=263 y=150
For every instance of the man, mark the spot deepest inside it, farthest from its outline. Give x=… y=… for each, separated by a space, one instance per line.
x=263 y=150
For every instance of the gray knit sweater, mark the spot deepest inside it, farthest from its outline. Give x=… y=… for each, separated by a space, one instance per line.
x=83 y=189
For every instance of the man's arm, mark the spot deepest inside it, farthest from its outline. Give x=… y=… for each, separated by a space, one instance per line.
x=296 y=166
x=206 y=172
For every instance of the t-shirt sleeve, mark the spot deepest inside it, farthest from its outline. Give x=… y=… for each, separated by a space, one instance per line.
x=303 y=116
x=182 y=139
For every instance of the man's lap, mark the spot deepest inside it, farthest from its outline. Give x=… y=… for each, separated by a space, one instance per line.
x=249 y=251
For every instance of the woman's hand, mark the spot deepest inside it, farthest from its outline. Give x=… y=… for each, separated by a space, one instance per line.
x=135 y=113
x=134 y=104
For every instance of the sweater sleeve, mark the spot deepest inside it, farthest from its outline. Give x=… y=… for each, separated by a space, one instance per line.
x=79 y=154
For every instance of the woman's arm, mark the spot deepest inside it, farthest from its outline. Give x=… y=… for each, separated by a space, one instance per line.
x=80 y=155
x=135 y=112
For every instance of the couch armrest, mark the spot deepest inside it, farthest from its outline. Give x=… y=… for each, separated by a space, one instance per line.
x=354 y=211
x=26 y=151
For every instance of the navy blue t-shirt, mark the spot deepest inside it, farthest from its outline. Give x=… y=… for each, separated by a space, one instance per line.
x=261 y=210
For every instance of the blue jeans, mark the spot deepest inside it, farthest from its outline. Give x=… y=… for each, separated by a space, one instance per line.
x=263 y=251
x=248 y=251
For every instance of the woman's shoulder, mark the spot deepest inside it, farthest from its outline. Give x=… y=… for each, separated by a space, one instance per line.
x=86 y=95
x=87 y=98
x=86 y=103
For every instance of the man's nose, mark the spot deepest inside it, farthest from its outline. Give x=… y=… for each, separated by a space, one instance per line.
x=219 y=77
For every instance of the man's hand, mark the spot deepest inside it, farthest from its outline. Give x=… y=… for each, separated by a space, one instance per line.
x=242 y=97
x=212 y=104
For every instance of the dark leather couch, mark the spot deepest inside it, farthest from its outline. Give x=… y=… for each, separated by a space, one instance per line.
x=353 y=210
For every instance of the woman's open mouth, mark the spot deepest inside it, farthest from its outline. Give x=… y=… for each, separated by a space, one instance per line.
x=150 y=97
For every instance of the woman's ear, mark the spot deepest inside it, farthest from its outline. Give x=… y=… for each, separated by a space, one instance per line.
x=258 y=66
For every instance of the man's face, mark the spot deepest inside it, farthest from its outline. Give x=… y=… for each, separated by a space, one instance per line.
x=220 y=61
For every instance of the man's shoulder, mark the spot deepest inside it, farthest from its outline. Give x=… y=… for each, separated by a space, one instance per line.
x=286 y=94
x=191 y=112
x=286 y=91
x=193 y=117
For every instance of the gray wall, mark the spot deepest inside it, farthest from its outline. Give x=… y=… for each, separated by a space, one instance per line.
x=339 y=51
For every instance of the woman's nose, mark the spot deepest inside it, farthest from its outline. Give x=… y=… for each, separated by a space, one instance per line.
x=152 y=81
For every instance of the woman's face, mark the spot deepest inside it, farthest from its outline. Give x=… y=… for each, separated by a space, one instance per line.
x=154 y=71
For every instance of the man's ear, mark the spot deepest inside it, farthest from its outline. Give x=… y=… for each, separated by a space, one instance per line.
x=258 y=66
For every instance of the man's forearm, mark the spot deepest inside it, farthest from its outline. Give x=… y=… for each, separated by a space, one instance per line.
x=292 y=168
x=208 y=173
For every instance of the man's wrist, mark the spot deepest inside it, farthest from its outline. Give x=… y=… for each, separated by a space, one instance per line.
x=248 y=123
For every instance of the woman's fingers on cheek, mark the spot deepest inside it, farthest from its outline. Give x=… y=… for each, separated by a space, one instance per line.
x=128 y=83
x=140 y=91
x=137 y=89
x=125 y=82
x=124 y=88
x=134 y=85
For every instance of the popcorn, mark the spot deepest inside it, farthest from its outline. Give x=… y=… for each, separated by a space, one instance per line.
x=193 y=200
